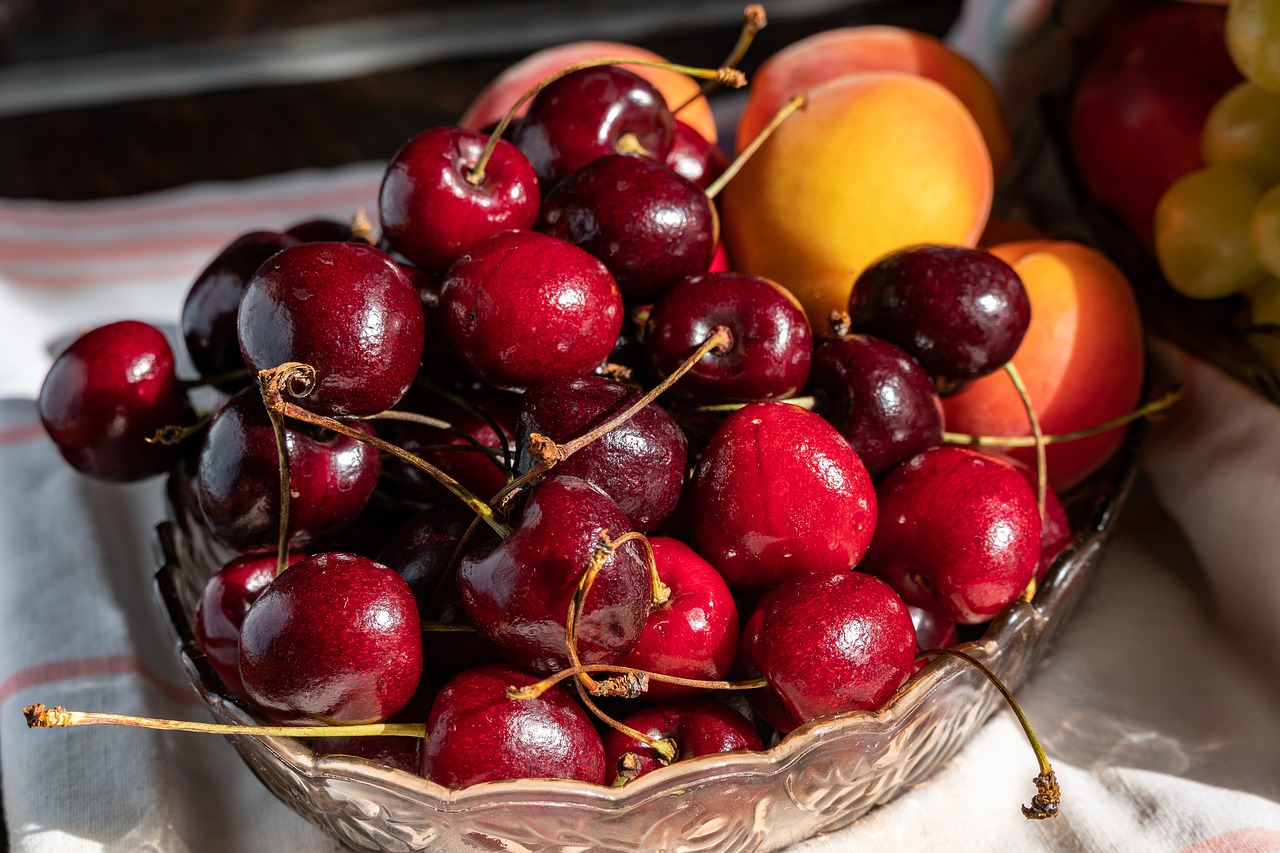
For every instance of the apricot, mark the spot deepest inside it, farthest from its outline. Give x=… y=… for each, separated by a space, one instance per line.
x=847 y=50
x=505 y=89
x=875 y=162
x=1081 y=360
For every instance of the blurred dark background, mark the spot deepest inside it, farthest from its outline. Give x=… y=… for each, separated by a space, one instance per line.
x=103 y=98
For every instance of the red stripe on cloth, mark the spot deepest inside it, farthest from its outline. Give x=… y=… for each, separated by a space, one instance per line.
x=62 y=670
x=20 y=433
x=1253 y=840
x=89 y=276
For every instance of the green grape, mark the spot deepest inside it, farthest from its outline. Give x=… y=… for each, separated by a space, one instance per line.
x=1253 y=40
x=1243 y=130
x=1202 y=233
x=1264 y=230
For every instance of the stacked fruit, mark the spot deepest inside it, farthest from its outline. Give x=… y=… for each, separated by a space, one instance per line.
x=485 y=380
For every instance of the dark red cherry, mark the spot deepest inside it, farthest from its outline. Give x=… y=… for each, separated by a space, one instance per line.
x=221 y=609
x=590 y=113
x=331 y=477
x=640 y=463
x=772 y=346
x=523 y=308
x=431 y=210
x=959 y=533
x=960 y=312
x=878 y=397
x=778 y=493
x=401 y=753
x=1055 y=526
x=695 y=633
x=333 y=639
x=650 y=226
x=518 y=592
x=322 y=231
x=442 y=366
x=209 y=312
x=692 y=156
x=475 y=733
x=106 y=394
x=830 y=643
x=347 y=310
x=696 y=726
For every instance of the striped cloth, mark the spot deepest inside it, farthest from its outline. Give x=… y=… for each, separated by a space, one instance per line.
x=1159 y=713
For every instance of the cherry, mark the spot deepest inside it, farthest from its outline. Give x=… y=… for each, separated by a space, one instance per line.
x=693 y=157
x=959 y=533
x=649 y=225
x=106 y=394
x=523 y=308
x=401 y=753
x=347 y=310
x=475 y=733
x=694 y=634
x=640 y=463
x=830 y=643
x=772 y=346
x=442 y=366
x=212 y=304
x=589 y=113
x=518 y=593
x=333 y=639
x=322 y=231
x=221 y=609
x=878 y=397
x=697 y=726
x=1055 y=526
x=960 y=312
x=932 y=632
x=777 y=493
x=331 y=477
x=434 y=207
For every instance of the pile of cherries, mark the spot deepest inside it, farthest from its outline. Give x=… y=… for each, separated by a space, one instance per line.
x=491 y=523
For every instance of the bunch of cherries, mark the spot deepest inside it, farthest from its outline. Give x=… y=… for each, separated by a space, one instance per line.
x=458 y=499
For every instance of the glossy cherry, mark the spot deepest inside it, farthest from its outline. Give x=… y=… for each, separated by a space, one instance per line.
x=640 y=463
x=475 y=733
x=347 y=310
x=696 y=726
x=960 y=312
x=878 y=397
x=778 y=493
x=523 y=308
x=693 y=157
x=1055 y=525
x=331 y=477
x=590 y=113
x=649 y=225
x=433 y=209
x=959 y=533
x=772 y=346
x=518 y=592
x=108 y=392
x=333 y=639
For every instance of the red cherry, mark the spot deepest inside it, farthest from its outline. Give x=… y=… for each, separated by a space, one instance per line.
x=108 y=392
x=431 y=211
x=334 y=639
x=477 y=734
x=693 y=157
x=697 y=726
x=779 y=493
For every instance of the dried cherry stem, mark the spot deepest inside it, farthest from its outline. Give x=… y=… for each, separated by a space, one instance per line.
x=664 y=747
x=547 y=453
x=215 y=379
x=1045 y=803
x=297 y=379
x=753 y=21
x=172 y=434
x=717 y=408
x=726 y=76
x=629 y=683
x=362 y=228
x=40 y=717
x=628 y=769
x=839 y=324
x=1156 y=407
x=797 y=102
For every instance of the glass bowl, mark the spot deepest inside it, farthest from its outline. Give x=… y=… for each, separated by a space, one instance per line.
x=820 y=777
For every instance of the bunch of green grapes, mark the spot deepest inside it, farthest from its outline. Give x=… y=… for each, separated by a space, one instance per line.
x=1218 y=229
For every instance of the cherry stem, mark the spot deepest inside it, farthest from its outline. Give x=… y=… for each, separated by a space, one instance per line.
x=547 y=453
x=631 y=676
x=273 y=384
x=716 y=408
x=1150 y=410
x=664 y=747
x=215 y=379
x=797 y=102
x=172 y=434
x=429 y=626
x=753 y=21
x=298 y=380
x=726 y=76
x=410 y=417
x=362 y=228
x=40 y=717
x=1045 y=803
x=468 y=405
x=1042 y=467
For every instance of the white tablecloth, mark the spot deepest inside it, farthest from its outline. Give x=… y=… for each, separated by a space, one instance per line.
x=1159 y=705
